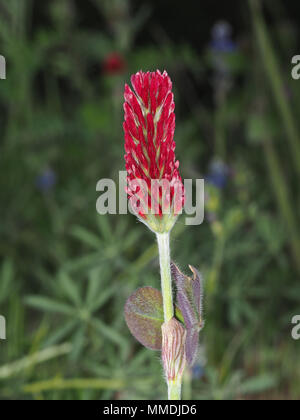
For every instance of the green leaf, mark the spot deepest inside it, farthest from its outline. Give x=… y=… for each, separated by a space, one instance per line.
x=61 y=332
x=86 y=237
x=109 y=333
x=6 y=277
x=258 y=384
x=70 y=288
x=102 y=298
x=104 y=228
x=45 y=304
x=144 y=316
x=94 y=285
x=78 y=342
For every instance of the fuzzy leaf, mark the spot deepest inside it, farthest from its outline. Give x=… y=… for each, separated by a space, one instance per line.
x=191 y=345
x=189 y=295
x=189 y=300
x=144 y=316
x=197 y=291
x=189 y=316
x=178 y=277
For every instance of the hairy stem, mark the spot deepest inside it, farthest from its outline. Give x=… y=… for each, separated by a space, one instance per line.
x=163 y=239
x=174 y=390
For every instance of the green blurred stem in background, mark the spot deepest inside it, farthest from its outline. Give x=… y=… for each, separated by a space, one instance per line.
x=283 y=198
x=218 y=258
x=27 y=362
x=220 y=138
x=75 y=383
x=274 y=76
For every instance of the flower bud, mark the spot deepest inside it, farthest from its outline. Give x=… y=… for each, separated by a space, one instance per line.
x=173 y=350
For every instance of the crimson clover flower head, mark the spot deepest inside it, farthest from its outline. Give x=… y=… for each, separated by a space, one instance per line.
x=155 y=187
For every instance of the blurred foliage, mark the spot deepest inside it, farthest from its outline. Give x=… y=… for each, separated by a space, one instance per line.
x=66 y=272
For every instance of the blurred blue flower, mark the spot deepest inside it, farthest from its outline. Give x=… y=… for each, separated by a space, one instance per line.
x=221 y=38
x=221 y=46
x=218 y=174
x=46 y=180
x=197 y=371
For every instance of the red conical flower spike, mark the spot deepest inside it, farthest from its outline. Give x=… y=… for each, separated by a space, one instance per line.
x=155 y=187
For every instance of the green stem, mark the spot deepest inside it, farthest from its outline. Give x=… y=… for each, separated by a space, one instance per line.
x=174 y=390
x=283 y=198
x=220 y=140
x=218 y=259
x=163 y=240
x=269 y=60
x=32 y=360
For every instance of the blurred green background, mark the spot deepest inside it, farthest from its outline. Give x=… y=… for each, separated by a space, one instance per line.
x=66 y=272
